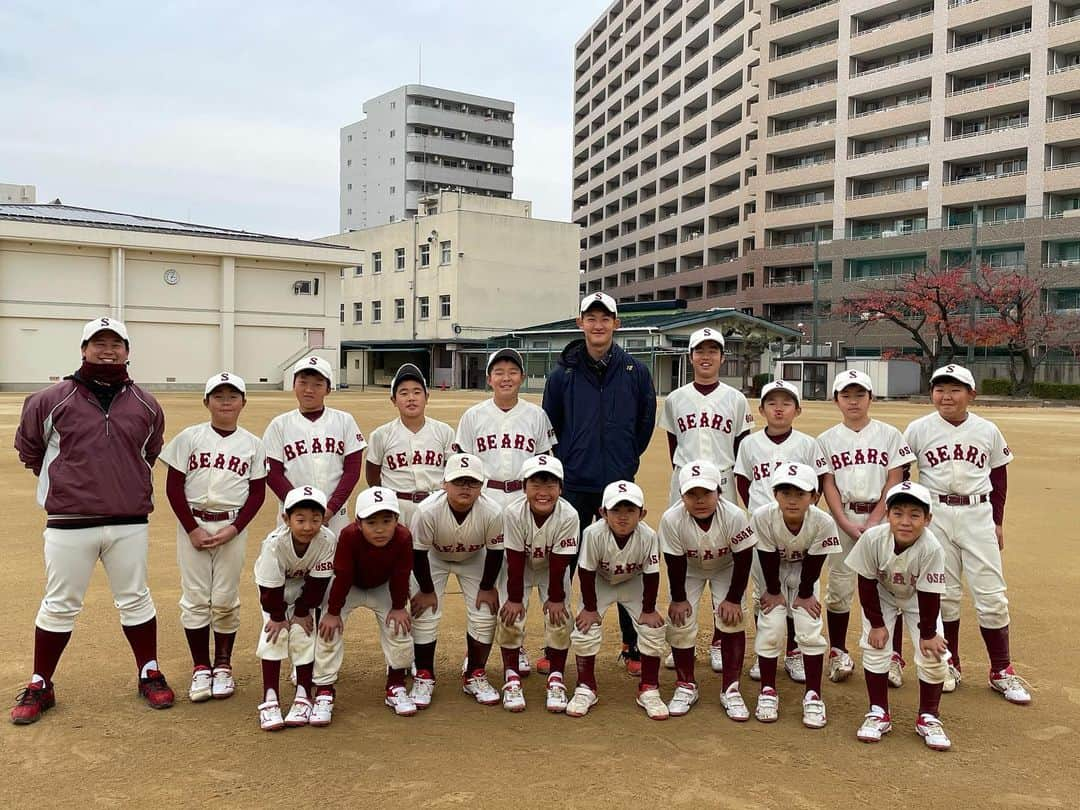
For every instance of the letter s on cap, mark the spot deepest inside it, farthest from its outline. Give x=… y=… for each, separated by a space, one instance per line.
x=378 y=497
x=464 y=462
x=313 y=361
x=104 y=321
x=695 y=470
x=792 y=469
x=307 y=491
x=622 y=487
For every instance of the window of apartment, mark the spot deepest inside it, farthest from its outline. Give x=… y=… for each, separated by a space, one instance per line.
x=425 y=307
x=348 y=162
x=349 y=186
x=444 y=253
x=341 y=313
x=348 y=211
x=393 y=105
x=425 y=255
x=376 y=311
x=376 y=262
x=444 y=306
x=399 y=309
x=399 y=258
x=393 y=161
x=358 y=270
x=358 y=312
x=349 y=138
x=393 y=189
x=356 y=363
x=392 y=133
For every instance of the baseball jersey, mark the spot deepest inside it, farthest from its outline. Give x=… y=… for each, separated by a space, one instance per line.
x=313 y=452
x=504 y=439
x=705 y=425
x=278 y=562
x=411 y=462
x=558 y=535
x=860 y=460
x=759 y=457
x=818 y=534
x=919 y=567
x=435 y=529
x=217 y=469
x=710 y=550
x=600 y=553
x=956 y=459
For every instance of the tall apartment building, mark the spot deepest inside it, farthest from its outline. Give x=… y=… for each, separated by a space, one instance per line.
x=17 y=194
x=716 y=141
x=416 y=140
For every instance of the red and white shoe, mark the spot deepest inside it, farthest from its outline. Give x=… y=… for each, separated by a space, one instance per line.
x=932 y=732
x=155 y=690
x=398 y=700
x=323 y=710
x=875 y=725
x=32 y=702
x=1012 y=687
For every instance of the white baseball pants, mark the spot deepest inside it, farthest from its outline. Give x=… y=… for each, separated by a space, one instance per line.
x=967 y=535
x=480 y=622
x=772 y=626
x=628 y=594
x=397 y=647
x=718 y=581
x=210 y=580
x=555 y=636
x=929 y=670
x=295 y=645
x=842 y=581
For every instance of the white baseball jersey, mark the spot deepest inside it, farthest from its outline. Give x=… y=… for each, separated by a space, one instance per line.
x=313 y=452
x=411 y=462
x=436 y=530
x=818 y=534
x=705 y=425
x=600 y=553
x=706 y=551
x=919 y=567
x=278 y=563
x=217 y=469
x=860 y=460
x=957 y=459
x=504 y=439
x=558 y=535
x=759 y=457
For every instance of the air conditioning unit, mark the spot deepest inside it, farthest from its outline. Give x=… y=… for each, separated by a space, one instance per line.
x=435 y=159
x=464 y=107
x=490 y=140
x=436 y=103
x=488 y=166
x=436 y=131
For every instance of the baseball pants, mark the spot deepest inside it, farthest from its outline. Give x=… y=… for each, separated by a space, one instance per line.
x=967 y=535
x=480 y=622
x=651 y=640
x=718 y=581
x=772 y=626
x=296 y=644
x=556 y=636
x=842 y=581
x=70 y=555
x=727 y=487
x=210 y=580
x=930 y=670
x=397 y=648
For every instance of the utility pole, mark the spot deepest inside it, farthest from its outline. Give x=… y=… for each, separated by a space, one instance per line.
x=816 y=318
x=973 y=304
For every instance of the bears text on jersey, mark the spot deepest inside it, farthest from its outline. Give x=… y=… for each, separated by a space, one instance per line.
x=428 y=458
x=212 y=461
x=958 y=452
x=704 y=421
x=329 y=444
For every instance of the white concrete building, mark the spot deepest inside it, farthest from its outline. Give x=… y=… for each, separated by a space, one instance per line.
x=15 y=193
x=195 y=299
x=417 y=139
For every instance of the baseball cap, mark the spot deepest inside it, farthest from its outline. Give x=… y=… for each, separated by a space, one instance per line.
x=796 y=475
x=295 y=496
x=708 y=333
x=376 y=499
x=408 y=371
x=463 y=465
x=958 y=373
x=541 y=464
x=317 y=364
x=780 y=385
x=225 y=378
x=619 y=491
x=599 y=299
x=513 y=355
x=699 y=473
x=911 y=490
x=103 y=324
x=852 y=376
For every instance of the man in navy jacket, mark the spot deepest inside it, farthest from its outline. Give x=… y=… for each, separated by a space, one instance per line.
x=602 y=404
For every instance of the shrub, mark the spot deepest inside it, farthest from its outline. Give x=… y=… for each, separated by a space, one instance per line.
x=759 y=381
x=1046 y=390
x=996 y=387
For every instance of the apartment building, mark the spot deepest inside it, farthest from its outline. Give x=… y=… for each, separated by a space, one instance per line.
x=18 y=194
x=416 y=140
x=720 y=146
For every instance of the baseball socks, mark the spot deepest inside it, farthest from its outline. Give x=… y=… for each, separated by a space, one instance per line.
x=586 y=671
x=997 y=647
x=898 y=636
x=952 y=639
x=48 y=647
x=733 y=647
x=425 y=656
x=223 y=648
x=684 y=665
x=838 y=628
x=509 y=662
x=152 y=685
x=877 y=689
x=478 y=654
x=271 y=674
x=929 y=698
x=198 y=641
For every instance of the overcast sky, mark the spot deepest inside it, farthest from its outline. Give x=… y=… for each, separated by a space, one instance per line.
x=228 y=114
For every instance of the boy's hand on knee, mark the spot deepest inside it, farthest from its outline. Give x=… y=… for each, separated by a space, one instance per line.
x=878 y=637
x=933 y=647
x=810 y=604
x=771 y=600
x=274 y=629
x=586 y=619
x=329 y=626
x=556 y=612
x=488 y=598
x=398 y=620
x=420 y=601
x=651 y=619
x=511 y=612
x=679 y=613
x=730 y=613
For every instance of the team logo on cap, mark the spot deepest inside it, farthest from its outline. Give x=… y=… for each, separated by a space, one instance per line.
x=377 y=496
x=852 y=374
x=622 y=488
x=906 y=486
x=307 y=491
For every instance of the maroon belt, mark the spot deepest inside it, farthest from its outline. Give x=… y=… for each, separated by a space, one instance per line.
x=861 y=507
x=415 y=497
x=505 y=486
x=963 y=500
x=212 y=516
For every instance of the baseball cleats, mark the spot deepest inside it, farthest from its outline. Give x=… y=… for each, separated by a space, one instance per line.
x=480 y=688
x=270 y=718
x=896 y=671
x=669 y=662
x=734 y=705
x=323 y=710
x=653 y=704
x=840 y=665
x=794 y=666
x=755 y=670
x=1014 y=688
x=524 y=667
x=932 y=732
x=300 y=713
x=686 y=695
x=543 y=665
x=768 y=706
x=32 y=702
x=813 y=710
x=201 y=688
x=156 y=692
x=224 y=685
x=632 y=658
x=398 y=700
x=875 y=725
x=513 y=699
x=584 y=699
x=952 y=679
x=423 y=687
x=556 y=696
x=716 y=658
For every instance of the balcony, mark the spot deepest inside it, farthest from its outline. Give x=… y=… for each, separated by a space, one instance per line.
x=1064 y=31
x=986 y=96
x=436 y=174
x=966 y=12
x=889 y=119
x=1064 y=177
x=807 y=174
x=457 y=148
x=880 y=203
x=990 y=40
x=784 y=216
x=1062 y=127
x=813 y=133
x=448 y=119
x=870 y=39
x=984 y=187
x=1061 y=80
x=803 y=97
x=812 y=55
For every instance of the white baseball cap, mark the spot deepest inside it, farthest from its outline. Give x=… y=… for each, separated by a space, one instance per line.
x=911 y=490
x=601 y=299
x=463 y=465
x=699 y=473
x=319 y=365
x=796 y=475
x=103 y=324
x=708 y=333
x=541 y=464
x=225 y=378
x=780 y=385
x=376 y=499
x=958 y=373
x=852 y=376
x=513 y=355
x=619 y=491
x=299 y=494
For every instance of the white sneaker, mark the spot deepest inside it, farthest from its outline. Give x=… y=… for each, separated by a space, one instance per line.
x=480 y=688
x=556 y=696
x=734 y=705
x=584 y=699
x=1014 y=688
x=224 y=686
x=292 y=676
x=653 y=704
x=398 y=700
x=270 y=716
x=755 y=670
x=768 y=706
x=794 y=667
x=423 y=687
x=669 y=662
x=513 y=699
x=952 y=679
x=932 y=732
x=201 y=685
x=323 y=710
x=299 y=714
x=813 y=710
x=840 y=665
x=524 y=667
x=686 y=695
x=896 y=671
x=875 y=725
x=716 y=658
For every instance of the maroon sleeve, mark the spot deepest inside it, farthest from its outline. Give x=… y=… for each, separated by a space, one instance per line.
x=737 y=442
x=740 y=574
x=515 y=575
x=557 y=564
x=422 y=570
x=811 y=571
x=676 y=575
x=587 y=579
x=344 y=570
x=651 y=587
x=742 y=485
x=373 y=474
x=929 y=607
x=672 y=446
x=770 y=570
x=29 y=441
x=403 y=565
x=276 y=480
x=999 y=480
x=493 y=559
x=174 y=491
x=255 y=499
x=311 y=595
x=273 y=602
x=350 y=476
x=871 y=603
x=157 y=435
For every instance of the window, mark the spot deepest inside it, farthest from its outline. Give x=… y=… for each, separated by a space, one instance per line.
x=358 y=270
x=349 y=186
x=376 y=262
x=393 y=189
x=302 y=287
x=425 y=255
x=444 y=253
x=425 y=307
x=349 y=138
x=393 y=105
x=399 y=258
x=341 y=313
x=444 y=306
x=348 y=162
x=348 y=211
x=358 y=312
x=376 y=311
x=356 y=363
x=399 y=309
x=392 y=132
x=393 y=161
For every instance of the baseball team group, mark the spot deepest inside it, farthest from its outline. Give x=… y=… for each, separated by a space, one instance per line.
x=515 y=502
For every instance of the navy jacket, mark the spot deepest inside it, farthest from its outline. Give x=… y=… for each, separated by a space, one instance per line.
x=603 y=426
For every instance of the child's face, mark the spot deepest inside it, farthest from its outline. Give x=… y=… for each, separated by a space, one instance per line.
x=542 y=491
x=907 y=521
x=623 y=518
x=701 y=502
x=462 y=493
x=505 y=378
x=794 y=502
x=378 y=529
x=951 y=399
x=706 y=359
x=311 y=389
x=304 y=522
x=410 y=398
x=854 y=403
x=779 y=410
x=225 y=404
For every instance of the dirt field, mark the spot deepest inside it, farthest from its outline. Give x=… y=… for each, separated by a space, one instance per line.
x=101 y=746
